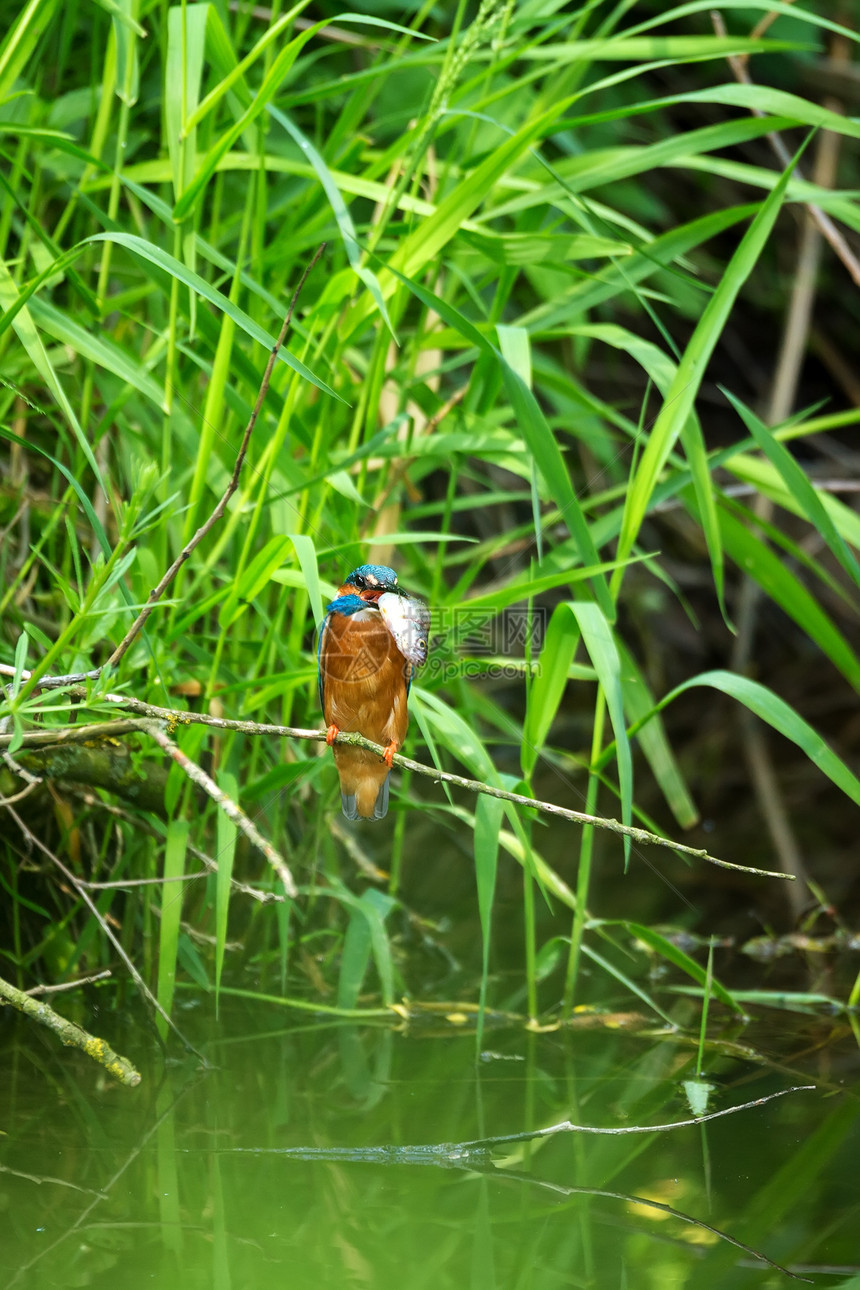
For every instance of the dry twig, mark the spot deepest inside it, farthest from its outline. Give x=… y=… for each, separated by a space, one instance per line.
x=826 y=225
x=33 y=841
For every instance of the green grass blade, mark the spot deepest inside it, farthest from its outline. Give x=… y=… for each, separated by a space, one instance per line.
x=80 y=493
x=186 y=46
x=270 y=85
x=488 y=822
x=758 y=561
x=255 y=577
x=20 y=663
x=676 y=956
x=798 y=484
x=365 y=934
x=307 y=556
x=784 y=7
x=99 y=349
x=21 y=39
x=425 y=245
x=342 y=217
x=38 y=355
x=651 y=735
x=538 y=435
x=225 y=851
x=779 y=714
x=682 y=393
x=603 y=652
x=171 y=914
x=354 y=959
x=706 y=505
x=548 y=686
x=627 y=981
x=126 y=35
x=759 y=472
x=155 y=255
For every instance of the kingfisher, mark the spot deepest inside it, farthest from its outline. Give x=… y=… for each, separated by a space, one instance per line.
x=371 y=640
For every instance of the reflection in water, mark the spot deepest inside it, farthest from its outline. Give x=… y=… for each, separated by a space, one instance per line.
x=189 y=1183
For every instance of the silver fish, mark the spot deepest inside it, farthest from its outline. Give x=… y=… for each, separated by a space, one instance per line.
x=408 y=620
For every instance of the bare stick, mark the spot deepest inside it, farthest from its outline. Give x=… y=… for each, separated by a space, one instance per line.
x=46 y=1178
x=71 y=1034
x=146 y=725
x=157 y=592
x=227 y=805
x=476 y=1156
x=70 y=985
x=17 y=797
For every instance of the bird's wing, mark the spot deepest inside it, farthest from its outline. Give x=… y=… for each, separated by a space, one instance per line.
x=320 y=669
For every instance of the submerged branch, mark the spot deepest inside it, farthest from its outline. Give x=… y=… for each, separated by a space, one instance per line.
x=476 y=1156
x=482 y=1148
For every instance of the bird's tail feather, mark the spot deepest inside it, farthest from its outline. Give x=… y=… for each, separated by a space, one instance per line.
x=380 y=810
x=348 y=806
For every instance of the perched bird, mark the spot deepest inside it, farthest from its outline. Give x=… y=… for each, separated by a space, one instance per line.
x=372 y=638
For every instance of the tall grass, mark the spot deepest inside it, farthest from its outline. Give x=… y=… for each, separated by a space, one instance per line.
x=496 y=235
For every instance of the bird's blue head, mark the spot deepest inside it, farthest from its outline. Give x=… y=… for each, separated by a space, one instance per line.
x=372 y=578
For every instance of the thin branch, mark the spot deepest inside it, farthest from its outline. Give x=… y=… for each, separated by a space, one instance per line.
x=476 y=1157
x=69 y=985
x=175 y=718
x=111 y=729
x=18 y=797
x=123 y=884
x=32 y=781
x=139 y=823
x=227 y=805
x=71 y=1034
x=516 y=1175
x=46 y=737
x=33 y=841
x=59 y=1182
x=157 y=592
x=828 y=229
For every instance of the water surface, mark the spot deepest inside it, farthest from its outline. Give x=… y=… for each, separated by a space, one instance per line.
x=183 y=1181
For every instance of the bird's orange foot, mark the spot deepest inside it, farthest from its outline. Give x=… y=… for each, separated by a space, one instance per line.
x=388 y=755
x=331 y=734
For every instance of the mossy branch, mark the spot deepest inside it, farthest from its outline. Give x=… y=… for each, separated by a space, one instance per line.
x=71 y=1034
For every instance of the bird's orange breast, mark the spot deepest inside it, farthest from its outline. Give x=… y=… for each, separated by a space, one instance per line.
x=364 y=687
x=364 y=677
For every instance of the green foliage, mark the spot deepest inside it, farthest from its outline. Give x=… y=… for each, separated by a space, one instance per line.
x=495 y=237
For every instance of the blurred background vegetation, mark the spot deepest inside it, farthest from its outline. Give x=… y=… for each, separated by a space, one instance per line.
x=577 y=361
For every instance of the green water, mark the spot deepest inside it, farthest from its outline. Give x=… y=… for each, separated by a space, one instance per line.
x=182 y=1182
